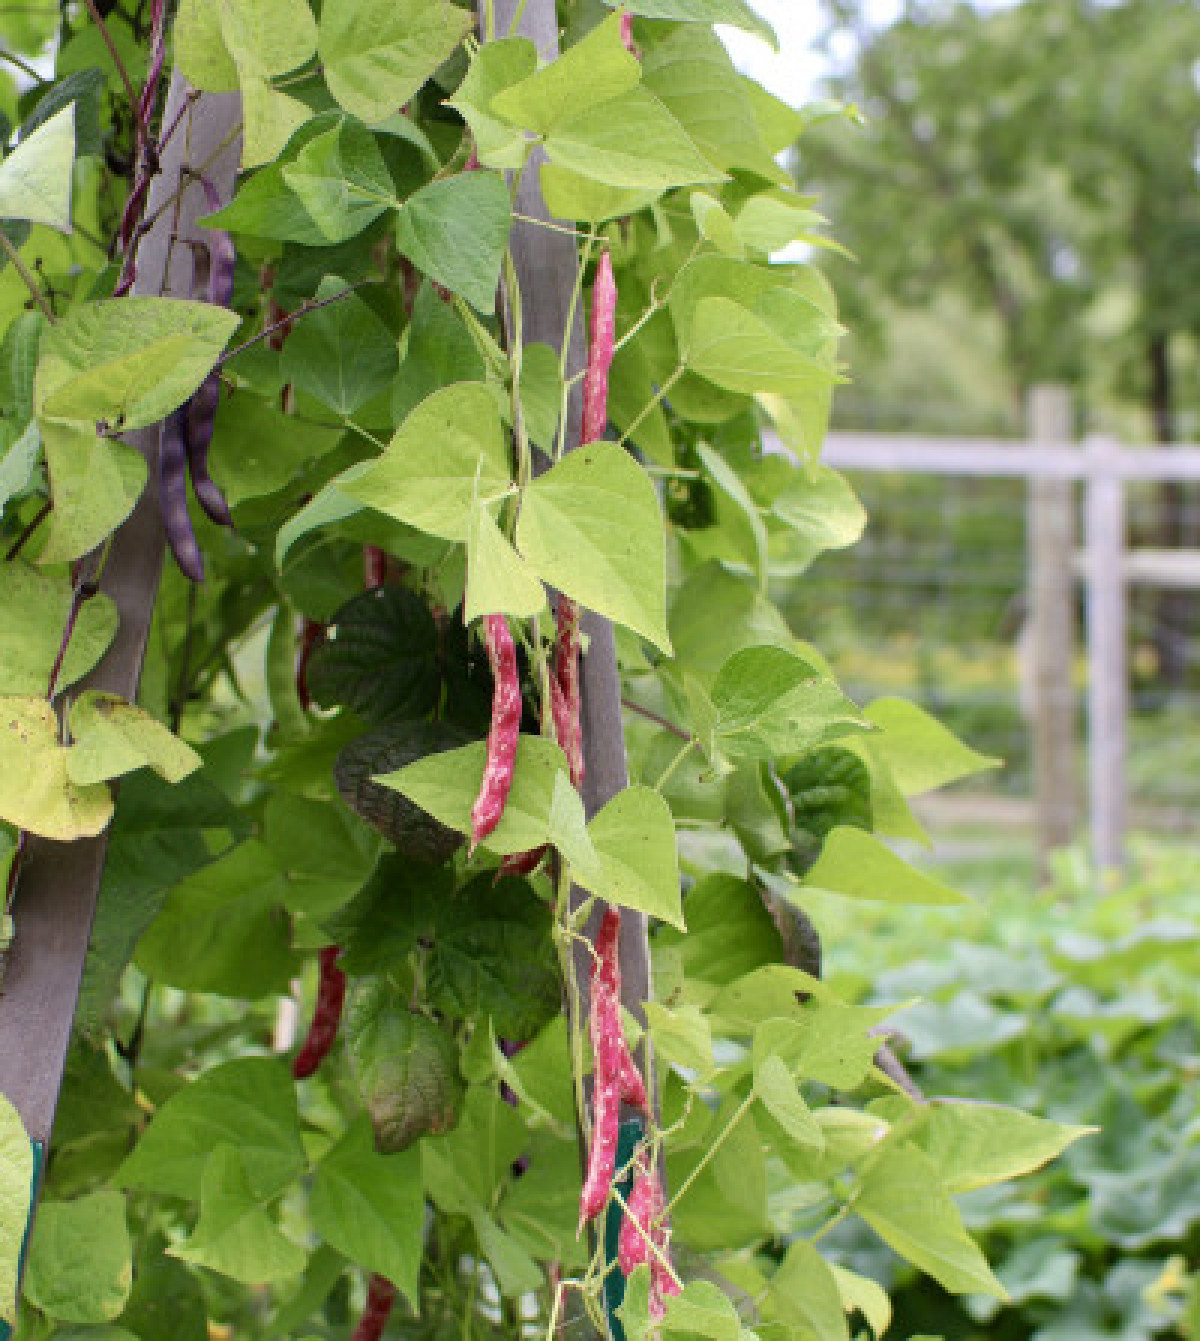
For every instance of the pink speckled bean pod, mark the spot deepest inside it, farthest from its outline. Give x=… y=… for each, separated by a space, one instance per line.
x=504 y=733
x=646 y=1237
x=600 y=350
x=608 y=1046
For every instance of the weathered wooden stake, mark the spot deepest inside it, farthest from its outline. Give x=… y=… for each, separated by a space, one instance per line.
x=1108 y=674
x=1051 y=583
x=546 y=264
x=59 y=883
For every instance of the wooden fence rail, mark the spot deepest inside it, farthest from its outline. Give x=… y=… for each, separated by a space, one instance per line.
x=1051 y=462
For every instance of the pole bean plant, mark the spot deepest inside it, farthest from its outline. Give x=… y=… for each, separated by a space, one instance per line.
x=454 y=798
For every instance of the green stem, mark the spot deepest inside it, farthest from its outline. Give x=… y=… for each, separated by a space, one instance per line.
x=363 y=433
x=30 y=283
x=669 y=772
x=116 y=56
x=25 y=69
x=831 y=1223
x=550 y=224
x=516 y=350
x=663 y=1259
x=659 y=396
x=743 y=1109
x=565 y=352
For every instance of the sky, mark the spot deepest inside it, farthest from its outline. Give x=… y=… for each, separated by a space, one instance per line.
x=792 y=74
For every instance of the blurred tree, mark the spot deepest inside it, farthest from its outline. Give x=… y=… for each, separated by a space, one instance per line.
x=1037 y=163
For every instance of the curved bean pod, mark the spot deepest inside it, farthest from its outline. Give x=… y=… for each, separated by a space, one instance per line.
x=172 y=495
x=202 y=408
x=327 y=1017
x=504 y=732
x=601 y=345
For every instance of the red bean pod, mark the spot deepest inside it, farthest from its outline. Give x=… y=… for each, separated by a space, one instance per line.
x=322 y=1033
x=504 y=733
x=310 y=635
x=600 y=350
x=381 y=1295
x=172 y=495
x=608 y=1045
x=524 y=863
x=374 y=567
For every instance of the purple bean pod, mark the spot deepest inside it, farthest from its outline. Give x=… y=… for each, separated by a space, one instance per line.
x=172 y=495
x=202 y=408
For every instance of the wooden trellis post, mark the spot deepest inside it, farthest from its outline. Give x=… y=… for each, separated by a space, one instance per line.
x=59 y=882
x=1051 y=548
x=546 y=264
x=1108 y=670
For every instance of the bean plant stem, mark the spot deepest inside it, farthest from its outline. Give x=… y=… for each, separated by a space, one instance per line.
x=309 y=305
x=19 y=544
x=669 y=772
x=651 y=716
x=564 y=353
x=25 y=69
x=27 y=276
x=115 y=54
x=659 y=396
x=743 y=1109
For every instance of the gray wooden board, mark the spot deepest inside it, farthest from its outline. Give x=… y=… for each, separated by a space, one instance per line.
x=546 y=265
x=999 y=457
x=59 y=882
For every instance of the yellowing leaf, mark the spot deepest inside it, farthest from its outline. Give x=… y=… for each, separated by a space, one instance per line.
x=16 y=1175
x=80 y=1266
x=36 y=791
x=129 y=361
x=112 y=737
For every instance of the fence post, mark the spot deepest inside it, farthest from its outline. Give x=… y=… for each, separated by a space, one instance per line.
x=1108 y=681
x=1051 y=543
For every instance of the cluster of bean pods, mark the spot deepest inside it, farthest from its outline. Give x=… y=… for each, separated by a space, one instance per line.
x=615 y=1076
x=564 y=680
